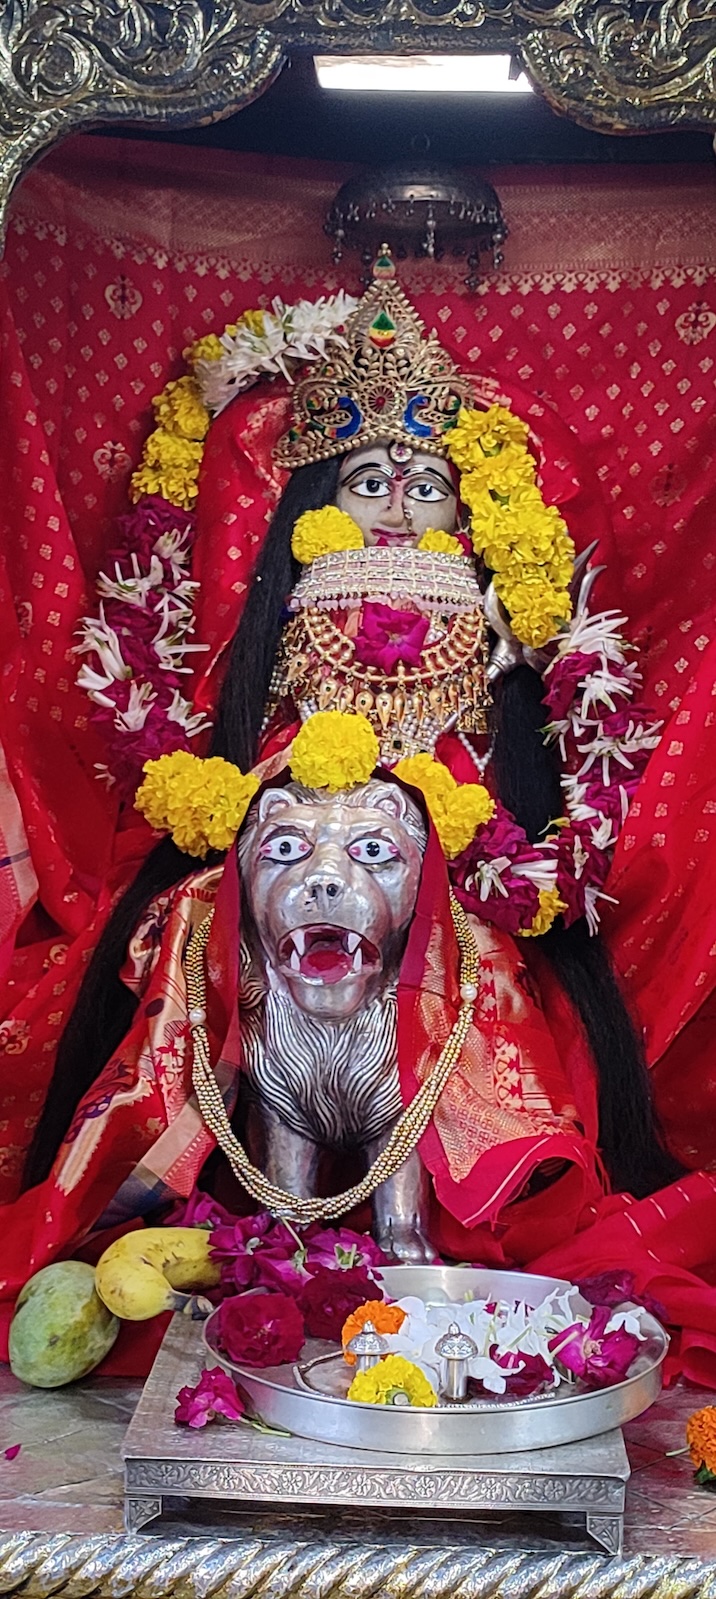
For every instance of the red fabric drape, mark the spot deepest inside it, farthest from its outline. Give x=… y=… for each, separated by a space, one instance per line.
x=603 y=322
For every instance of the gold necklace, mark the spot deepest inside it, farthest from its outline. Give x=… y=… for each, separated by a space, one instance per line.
x=408 y=1130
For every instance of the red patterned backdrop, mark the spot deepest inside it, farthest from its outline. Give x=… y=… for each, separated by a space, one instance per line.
x=121 y=253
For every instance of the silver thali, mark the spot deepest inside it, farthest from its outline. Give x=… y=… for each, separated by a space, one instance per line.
x=307 y=1398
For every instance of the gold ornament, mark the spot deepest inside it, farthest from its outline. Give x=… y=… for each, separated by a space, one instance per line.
x=390 y=381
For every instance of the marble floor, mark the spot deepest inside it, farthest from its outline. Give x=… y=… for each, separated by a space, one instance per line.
x=67 y=1478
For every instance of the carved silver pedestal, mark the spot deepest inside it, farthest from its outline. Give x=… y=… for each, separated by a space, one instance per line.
x=236 y=1467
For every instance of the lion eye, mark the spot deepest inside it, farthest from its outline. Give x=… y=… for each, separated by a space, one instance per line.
x=373 y=851
x=285 y=847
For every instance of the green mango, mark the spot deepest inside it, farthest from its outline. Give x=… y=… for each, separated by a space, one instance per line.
x=60 y=1330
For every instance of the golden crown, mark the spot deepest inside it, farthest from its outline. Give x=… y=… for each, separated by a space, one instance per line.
x=389 y=381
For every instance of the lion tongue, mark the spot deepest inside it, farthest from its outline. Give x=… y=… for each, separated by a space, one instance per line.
x=329 y=963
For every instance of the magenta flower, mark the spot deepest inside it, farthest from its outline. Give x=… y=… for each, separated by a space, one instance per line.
x=329 y=1297
x=615 y=1288
x=342 y=1248
x=563 y=680
x=199 y=1210
x=140 y=528
x=13 y=1452
x=387 y=636
x=260 y=1329
x=596 y=1357
x=525 y=1374
x=214 y=1395
x=235 y=1245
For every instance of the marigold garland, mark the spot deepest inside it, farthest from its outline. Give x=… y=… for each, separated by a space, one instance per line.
x=524 y=542
x=334 y=750
x=550 y=907
x=457 y=809
x=394 y=1379
x=321 y=532
x=202 y=803
x=701 y=1439
x=439 y=543
x=385 y=1319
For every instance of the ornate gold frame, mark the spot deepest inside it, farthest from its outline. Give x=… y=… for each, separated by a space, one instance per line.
x=614 y=65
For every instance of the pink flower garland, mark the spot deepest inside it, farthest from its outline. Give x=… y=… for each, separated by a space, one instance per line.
x=137 y=646
x=605 y=740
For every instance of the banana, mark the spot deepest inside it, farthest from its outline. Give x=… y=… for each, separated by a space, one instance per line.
x=155 y=1269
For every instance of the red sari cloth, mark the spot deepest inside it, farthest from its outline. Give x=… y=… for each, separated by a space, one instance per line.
x=600 y=330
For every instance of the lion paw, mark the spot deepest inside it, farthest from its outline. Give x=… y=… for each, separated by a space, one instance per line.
x=406 y=1242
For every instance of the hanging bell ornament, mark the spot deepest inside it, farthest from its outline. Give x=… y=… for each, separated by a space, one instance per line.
x=456 y=1349
x=368 y=1347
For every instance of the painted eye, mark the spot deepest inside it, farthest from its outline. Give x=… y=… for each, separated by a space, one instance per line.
x=427 y=493
x=373 y=851
x=285 y=847
x=371 y=488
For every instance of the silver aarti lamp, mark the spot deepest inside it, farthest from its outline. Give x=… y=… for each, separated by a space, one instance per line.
x=419 y=210
x=456 y=1349
x=368 y=1347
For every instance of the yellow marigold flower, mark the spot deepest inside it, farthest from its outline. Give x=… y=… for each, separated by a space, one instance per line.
x=476 y=432
x=169 y=449
x=701 y=1439
x=510 y=469
x=320 y=532
x=440 y=543
x=209 y=348
x=179 y=409
x=334 y=750
x=385 y=1319
x=202 y=803
x=392 y=1381
x=536 y=610
x=176 y=484
x=466 y=810
x=435 y=782
x=253 y=321
x=550 y=906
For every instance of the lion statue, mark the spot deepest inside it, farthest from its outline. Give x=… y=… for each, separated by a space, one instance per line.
x=329 y=885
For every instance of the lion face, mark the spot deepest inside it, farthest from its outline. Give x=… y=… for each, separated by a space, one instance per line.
x=330 y=883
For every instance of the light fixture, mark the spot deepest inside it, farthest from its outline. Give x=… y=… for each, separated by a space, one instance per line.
x=418 y=210
x=458 y=74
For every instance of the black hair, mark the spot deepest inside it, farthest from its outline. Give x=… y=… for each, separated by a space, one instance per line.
x=527 y=780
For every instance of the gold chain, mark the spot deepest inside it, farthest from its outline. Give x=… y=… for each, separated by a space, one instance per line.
x=407 y=1131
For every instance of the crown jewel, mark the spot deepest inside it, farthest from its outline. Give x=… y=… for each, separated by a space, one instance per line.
x=389 y=381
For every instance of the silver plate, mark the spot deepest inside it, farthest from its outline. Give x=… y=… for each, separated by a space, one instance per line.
x=286 y=1396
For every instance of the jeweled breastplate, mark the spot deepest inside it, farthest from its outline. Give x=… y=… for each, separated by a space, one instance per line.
x=410 y=699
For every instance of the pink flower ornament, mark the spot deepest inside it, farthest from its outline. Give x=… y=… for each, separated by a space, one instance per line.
x=387 y=636
x=214 y=1396
x=597 y=1357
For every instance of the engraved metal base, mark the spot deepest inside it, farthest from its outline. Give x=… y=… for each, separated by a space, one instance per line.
x=240 y=1466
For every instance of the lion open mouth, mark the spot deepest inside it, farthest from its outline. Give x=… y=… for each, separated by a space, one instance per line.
x=325 y=954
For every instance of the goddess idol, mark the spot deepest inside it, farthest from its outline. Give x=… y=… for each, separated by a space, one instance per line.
x=365 y=964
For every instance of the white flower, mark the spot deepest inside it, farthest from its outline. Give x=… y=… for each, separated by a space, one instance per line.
x=141 y=699
x=543 y=873
x=489 y=876
x=638 y=736
x=180 y=711
x=95 y=684
x=133 y=590
x=97 y=635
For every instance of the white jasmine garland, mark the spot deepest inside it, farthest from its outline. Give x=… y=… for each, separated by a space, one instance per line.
x=291 y=336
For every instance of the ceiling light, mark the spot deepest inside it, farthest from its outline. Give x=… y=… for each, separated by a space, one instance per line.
x=420 y=74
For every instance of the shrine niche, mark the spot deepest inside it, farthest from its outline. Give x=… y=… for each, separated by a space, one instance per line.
x=611 y=67
x=359 y=670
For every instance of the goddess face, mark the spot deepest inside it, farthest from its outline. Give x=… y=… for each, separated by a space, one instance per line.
x=331 y=884
x=395 y=494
